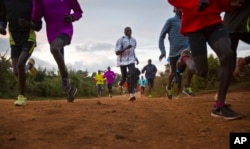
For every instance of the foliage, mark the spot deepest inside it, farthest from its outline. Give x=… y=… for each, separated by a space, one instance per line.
x=198 y=84
x=47 y=84
x=8 y=83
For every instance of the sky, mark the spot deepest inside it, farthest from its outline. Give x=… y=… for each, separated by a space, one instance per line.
x=95 y=35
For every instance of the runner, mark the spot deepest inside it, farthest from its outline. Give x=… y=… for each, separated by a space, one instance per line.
x=59 y=26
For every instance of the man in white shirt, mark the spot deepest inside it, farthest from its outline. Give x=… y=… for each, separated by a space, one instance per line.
x=126 y=58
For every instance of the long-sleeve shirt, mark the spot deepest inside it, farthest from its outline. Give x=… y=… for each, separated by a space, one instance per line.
x=110 y=76
x=128 y=56
x=53 y=12
x=177 y=41
x=192 y=20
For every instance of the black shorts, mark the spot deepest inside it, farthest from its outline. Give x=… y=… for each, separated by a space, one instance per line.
x=150 y=82
x=198 y=40
x=64 y=38
x=27 y=46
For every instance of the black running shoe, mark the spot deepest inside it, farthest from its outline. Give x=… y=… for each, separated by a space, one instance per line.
x=71 y=94
x=225 y=112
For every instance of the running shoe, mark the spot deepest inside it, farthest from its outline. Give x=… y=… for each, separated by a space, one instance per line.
x=132 y=98
x=225 y=112
x=71 y=94
x=188 y=91
x=169 y=94
x=120 y=89
x=21 y=101
x=178 y=96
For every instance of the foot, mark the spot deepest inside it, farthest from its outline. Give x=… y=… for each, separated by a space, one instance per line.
x=169 y=93
x=21 y=101
x=132 y=98
x=120 y=89
x=188 y=91
x=71 y=94
x=225 y=112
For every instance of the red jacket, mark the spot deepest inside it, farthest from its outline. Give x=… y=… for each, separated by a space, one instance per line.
x=192 y=20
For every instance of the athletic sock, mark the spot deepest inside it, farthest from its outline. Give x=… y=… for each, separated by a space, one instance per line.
x=219 y=104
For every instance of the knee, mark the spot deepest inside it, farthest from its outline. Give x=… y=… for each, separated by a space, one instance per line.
x=54 y=50
x=227 y=58
x=56 y=46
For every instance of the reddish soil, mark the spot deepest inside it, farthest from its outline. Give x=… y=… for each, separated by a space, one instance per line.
x=116 y=123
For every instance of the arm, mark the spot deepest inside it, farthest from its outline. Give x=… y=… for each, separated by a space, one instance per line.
x=37 y=15
x=37 y=12
x=163 y=34
x=143 y=70
x=3 y=19
x=119 y=49
x=77 y=11
x=155 y=69
x=229 y=5
x=187 y=4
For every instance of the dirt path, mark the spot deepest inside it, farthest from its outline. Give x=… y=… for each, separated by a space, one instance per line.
x=116 y=123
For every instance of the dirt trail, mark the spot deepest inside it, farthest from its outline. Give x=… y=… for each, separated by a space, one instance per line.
x=116 y=123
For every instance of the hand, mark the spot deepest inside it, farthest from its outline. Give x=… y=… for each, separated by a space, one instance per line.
x=203 y=5
x=236 y=3
x=137 y=61
x=2 y=28
x=36 y=26
x=162 y=56
x=129 y=46
x=69 y=18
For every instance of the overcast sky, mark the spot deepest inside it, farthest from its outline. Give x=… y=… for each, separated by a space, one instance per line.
x=96 y=33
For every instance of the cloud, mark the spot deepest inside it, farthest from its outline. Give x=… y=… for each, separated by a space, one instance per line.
x=5 y=48
x=92 y=46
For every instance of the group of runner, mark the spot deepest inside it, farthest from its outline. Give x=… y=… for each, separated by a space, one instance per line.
x=193 y=26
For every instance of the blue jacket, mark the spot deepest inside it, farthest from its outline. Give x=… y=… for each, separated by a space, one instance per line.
x=177 y=41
